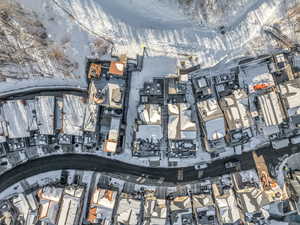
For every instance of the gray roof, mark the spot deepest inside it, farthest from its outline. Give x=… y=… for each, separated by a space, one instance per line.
x=73 y=115
x=45 y=114
x=90 y=118
x=271 y=108
x=17 y=122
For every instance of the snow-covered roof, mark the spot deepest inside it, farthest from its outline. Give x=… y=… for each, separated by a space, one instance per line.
x=235 y=108
x=91 y=117
x=108 y=93
x=32 y=115
x=102 y=205
x=271 y=107
x=255 y=74
x=150 y=113
x=228 y=209
x=215 y=128
x=17 y=122
x=71 y=206
x=290 y=93
x=73 y=114
x=180 y=124
x=209 y=109
x=149 y=131
x=128 y=211
x=111 y=142
x=45 y=106
x=155 y=210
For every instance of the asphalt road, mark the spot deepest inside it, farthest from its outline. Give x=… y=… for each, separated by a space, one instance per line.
x=99 y=164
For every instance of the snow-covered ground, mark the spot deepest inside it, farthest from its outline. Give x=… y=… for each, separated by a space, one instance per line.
x=164 y=28
x=169 y=28
x=159 y=66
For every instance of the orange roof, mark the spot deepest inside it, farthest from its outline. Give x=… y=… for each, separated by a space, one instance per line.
x=117 y=68
x=108 y=194
x=94 y=71
x=110 y=146
x=92 y=215
x=260 y=86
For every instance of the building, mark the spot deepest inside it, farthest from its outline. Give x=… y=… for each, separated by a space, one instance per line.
x=182 y=131
x=212 y=123
x=237 y=115
x=110 y=133
x=148 y=132
x=45 y=112
x=226 y=203
x=61 y=206
x=8 y=213
x=204 y=209
x=17 y=122
x=107 y=96
x=293 y=182
x=71 y=205
x=73 y=115
x=272 y=110
x=49 y=198
x=128 y=211
x=290 y=93
x=251 y=195
x=155 y=210
x=181 y=211
x=26 y=206
x=101 y=206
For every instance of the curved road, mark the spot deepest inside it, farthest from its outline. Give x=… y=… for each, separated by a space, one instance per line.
x=39 y=89
x=99 y=164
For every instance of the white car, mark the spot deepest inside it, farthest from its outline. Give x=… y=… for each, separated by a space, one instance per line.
x=200 y=166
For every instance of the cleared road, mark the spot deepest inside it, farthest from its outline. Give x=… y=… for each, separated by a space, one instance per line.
x=99 y=164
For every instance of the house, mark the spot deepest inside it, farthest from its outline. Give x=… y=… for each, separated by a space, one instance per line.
x=237 y=115
x=73 y=115
x=155 y=210
x=204 y=209
x=101 y=206
x=128 y=211
x=181 y=211
x=213 y=124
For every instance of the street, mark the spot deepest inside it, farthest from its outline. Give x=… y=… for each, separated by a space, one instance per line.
x=170 y=175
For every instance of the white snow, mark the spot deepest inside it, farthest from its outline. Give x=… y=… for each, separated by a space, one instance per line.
x=165 y=30
x=153 y=67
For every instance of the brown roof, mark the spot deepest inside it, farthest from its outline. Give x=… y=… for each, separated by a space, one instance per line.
x=94 y=71
x=92 y=215
x=117 y=68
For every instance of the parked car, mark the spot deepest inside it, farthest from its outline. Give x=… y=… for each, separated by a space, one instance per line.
x=232 y=164
x=200 y=166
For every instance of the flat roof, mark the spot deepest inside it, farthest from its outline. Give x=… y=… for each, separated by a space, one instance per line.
x=149 y=131
x=73 y=114
x=91 y=117
x=17 y=122
x=271 y=107
x=45 y=106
